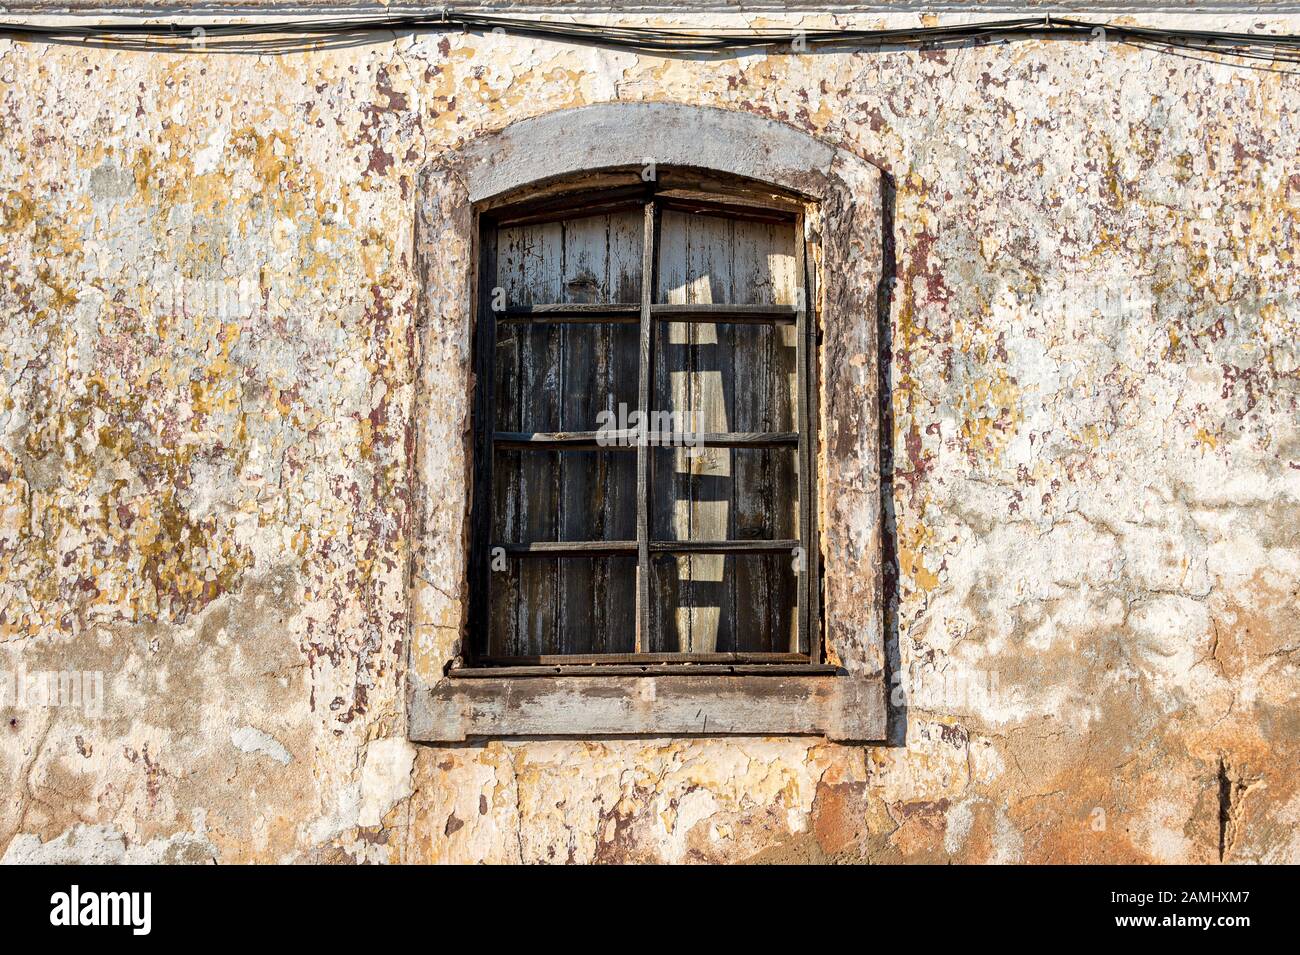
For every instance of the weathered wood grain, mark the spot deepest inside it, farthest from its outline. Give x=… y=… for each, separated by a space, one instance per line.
x=571 y=313
x=625 y=439
x=841 y=708
x=728 y=374
x=564 y=373
x=650 y=660
x=644 y=635
x=534 y=670
x=484 y=410
x=724 y=363
x=725 y=312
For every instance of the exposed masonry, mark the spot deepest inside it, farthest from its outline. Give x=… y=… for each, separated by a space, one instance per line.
x=213 y=321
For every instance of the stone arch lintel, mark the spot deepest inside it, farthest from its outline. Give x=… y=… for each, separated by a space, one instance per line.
x=669 y=134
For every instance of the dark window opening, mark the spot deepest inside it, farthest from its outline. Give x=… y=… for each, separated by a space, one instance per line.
x=644 y=364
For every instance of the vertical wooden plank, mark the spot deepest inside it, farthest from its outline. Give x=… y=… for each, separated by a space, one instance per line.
x=783 y=466
x=511 y=346
x=504 y=582
x=678 y=263
x=756 y=593
x=503 y=585
x=810 y=534
x=485 y=417
x=530 y=272
x=670 y=512
x=646 y=376
x=616 y=577
x=669 y=627
x=710 y=280
x=803 y=638
x=584 y=269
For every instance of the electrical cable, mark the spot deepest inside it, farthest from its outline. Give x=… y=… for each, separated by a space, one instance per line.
x=282 y=36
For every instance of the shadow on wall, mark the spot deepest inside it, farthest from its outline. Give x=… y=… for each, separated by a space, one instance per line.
x=897 y=711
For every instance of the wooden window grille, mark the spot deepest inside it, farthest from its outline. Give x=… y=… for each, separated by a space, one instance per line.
x=682 y=536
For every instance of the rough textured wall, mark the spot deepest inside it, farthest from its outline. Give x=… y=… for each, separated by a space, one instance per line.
x=208 y=356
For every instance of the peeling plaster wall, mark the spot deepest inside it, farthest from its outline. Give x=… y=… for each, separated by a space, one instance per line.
x=208 y=363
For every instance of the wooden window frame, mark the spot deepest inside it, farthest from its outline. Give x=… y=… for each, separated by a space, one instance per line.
x=677 y=190
x=844 y=697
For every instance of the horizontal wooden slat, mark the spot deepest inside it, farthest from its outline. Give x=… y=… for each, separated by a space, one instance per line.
x=723 y=547
x=733 y=314
x=598 y=671
x=568 y=548
x=614 y=440
x=551 y=549
x=629 y=315
x=733 y=439
x=570 y=313
x=565 y=440
x=698 y=205
x=603 y=659
x=572 y=206
x=586 y=211
x=839 y=707
x=575 y=196
x=696 y=185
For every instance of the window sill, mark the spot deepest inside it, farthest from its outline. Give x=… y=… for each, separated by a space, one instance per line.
x=644 y=669
x=496 y=704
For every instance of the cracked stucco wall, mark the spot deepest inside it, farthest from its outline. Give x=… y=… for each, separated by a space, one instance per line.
x=208 y=359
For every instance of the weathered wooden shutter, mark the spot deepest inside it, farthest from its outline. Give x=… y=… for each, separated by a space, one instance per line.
x=558 y=377
x=736 y=378
x=732 y=377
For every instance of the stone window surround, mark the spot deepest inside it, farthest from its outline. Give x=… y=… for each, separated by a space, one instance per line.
x=845 y=196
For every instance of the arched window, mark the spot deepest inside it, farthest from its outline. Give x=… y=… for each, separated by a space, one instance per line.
x=657 y=325
x=644 y=424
